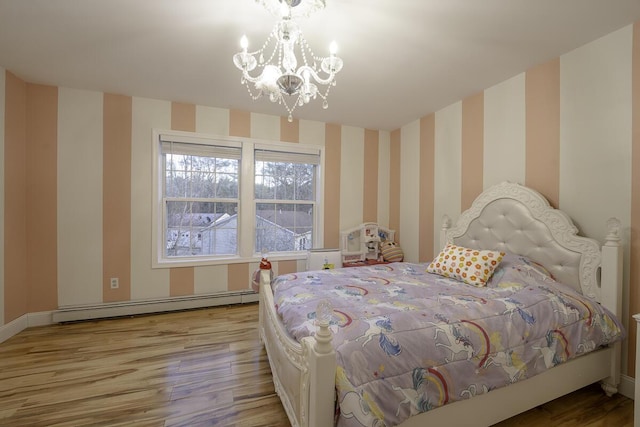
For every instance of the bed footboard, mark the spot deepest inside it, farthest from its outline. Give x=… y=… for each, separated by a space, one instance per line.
x=303 y=374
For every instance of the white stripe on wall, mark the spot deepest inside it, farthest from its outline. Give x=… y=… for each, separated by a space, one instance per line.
x=265 y=127
x=384 y=175
x=596 y=140
x=351 y=176
x=504 y=132
x=312 y=132
x=147 y=115
x=212 y=121
x=595 y=132
x=2 y=119
x=80 y=166
x=410 y=190
x=448 y=168
x=210 y=279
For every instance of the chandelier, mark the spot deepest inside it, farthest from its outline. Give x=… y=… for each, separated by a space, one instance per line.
x=279 y=74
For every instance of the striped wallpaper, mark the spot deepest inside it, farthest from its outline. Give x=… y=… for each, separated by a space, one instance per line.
x=77 y=179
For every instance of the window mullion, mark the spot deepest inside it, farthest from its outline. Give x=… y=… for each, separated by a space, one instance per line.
x=247 y=212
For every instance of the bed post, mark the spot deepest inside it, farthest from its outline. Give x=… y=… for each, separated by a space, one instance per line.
x=446 y=225
x=611 y=293
x=322 y=369
x=265 y=280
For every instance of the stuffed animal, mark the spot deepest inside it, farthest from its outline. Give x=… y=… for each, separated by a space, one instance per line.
x=391 y=251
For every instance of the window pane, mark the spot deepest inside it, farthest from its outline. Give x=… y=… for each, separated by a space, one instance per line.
x=201 y=228
x=284 y=181
x=284 y=227
x=200 y=177
x=176 y=184
x=227 y=185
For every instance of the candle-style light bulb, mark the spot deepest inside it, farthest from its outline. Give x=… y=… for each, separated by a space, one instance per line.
x=244 y=43
x=333 y=48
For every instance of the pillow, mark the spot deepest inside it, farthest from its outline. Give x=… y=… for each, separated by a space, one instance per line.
x=471 y=266
x=391 y=252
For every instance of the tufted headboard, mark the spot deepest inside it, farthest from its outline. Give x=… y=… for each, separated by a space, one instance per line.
x=512 y=218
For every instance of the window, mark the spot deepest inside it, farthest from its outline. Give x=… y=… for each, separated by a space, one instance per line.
x=200 y=199
x=219 y=199
x=285 y=198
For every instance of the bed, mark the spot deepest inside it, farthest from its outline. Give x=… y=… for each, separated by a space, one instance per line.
x=310 y=375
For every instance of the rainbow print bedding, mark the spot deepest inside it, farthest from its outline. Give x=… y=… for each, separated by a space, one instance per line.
x=408 y=341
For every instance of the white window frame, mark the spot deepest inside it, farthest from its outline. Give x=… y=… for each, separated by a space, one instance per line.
x=246 y=208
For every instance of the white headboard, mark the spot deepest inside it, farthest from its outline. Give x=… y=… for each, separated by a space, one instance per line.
x=512 y=218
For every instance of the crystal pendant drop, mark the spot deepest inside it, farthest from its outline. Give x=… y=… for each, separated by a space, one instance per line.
x=290 y=118
x=242 y=80
x=261 y=59
x=325 y=104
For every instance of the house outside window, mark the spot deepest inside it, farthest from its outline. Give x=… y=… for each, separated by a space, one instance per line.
x=200 y=198
x=285 y=198
x=224 y=199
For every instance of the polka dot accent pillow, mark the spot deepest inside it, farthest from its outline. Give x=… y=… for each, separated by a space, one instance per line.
x=471 y=266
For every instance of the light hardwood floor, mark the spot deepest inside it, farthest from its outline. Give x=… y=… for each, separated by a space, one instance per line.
x=192 y=368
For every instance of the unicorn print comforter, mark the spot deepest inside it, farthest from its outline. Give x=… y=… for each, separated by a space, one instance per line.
x=408 y=341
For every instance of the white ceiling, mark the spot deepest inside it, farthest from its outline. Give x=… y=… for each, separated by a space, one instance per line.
x=402 y=59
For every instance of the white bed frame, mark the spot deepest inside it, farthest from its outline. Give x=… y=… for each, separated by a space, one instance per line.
x=506 y=217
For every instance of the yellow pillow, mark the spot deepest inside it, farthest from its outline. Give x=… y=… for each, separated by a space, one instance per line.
x=471 y=266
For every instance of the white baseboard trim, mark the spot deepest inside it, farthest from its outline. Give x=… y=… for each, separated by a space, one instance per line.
x=23 y=322
x=13 y=328
x=42 y=318
x=130 y=308
x=627 y=386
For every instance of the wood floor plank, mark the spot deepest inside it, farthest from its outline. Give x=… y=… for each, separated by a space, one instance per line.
x=191 y=368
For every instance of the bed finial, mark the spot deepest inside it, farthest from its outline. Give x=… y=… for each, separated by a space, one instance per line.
x=446 y=225
x=613 y=232
x=324 y=311
x=446 y=222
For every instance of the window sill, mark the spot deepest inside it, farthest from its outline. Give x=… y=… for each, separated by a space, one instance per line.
x=193 y=262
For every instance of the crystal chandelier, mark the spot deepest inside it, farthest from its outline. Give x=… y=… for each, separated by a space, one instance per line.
x=279 y=74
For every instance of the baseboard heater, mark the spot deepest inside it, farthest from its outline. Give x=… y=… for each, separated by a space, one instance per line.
x=131 y=308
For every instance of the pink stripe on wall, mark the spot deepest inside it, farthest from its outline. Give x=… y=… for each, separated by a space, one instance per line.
x=394 y=182
x=182 y=279
x=370 y=196
x=15 y=202
x=116 y=197
x=634 y=256
x=427 y=187
x=183 y=117
x=238 y=276
x=472 y=149
x=239 y=123
x=333 y=144
x=542 y=94
x=286 y=267
x=289 y=131
x=42 y=191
